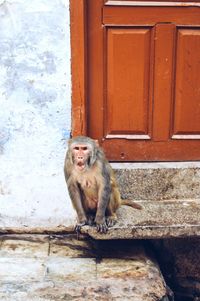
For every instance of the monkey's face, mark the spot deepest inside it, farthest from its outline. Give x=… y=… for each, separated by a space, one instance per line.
x=81 y=154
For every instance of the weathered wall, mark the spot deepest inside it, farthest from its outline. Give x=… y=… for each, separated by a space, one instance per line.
x=35 y=110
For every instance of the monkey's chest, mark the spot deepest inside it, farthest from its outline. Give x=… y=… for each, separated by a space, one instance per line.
x=90 y=192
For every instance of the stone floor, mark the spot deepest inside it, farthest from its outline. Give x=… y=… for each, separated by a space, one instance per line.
x=44 y=268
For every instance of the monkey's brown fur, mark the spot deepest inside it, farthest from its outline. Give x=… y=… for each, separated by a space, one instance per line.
x=92 y=185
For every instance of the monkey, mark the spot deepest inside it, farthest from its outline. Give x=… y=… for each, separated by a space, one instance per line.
x=92 y=185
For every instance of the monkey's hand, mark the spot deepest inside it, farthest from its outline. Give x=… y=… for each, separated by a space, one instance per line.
x=79 y=226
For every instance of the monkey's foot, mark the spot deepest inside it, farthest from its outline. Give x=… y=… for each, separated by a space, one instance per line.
x=111 y=220
x=102 y=228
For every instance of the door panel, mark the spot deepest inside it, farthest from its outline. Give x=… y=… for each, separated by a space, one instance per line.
x=187 y=89
x=128 y=65
x=143 y=79
x=152 y=13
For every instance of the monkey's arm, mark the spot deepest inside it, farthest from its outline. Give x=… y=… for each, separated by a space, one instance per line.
x=75 y=195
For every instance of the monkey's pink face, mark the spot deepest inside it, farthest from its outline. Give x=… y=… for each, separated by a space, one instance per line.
x=81 y=154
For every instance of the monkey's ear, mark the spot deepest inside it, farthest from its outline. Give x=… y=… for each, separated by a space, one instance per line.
x=94 y=153
x=96 y=142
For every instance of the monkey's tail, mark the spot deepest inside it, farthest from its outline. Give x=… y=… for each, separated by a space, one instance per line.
x=131 y=204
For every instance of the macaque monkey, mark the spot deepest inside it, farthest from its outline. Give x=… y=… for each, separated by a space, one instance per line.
x=91 y=184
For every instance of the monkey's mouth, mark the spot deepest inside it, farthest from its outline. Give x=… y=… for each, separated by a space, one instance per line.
x=80 y=165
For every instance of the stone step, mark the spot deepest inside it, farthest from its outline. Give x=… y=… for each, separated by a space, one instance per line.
x=157 y=219
x=158 y=181
x=43 y=268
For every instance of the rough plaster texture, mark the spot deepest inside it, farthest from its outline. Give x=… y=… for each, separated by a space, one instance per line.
x=35 y=105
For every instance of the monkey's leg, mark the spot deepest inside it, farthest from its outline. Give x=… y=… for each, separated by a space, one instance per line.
x=100 y=219
x=113 y=205
x=111 y=216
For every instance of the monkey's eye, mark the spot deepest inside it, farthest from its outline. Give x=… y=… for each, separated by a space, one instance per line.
x=76 y=148
x=84 y=148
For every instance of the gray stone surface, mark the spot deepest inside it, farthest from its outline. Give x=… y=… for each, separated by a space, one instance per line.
x=159 y=183
x=163 y=219
x=45 y=268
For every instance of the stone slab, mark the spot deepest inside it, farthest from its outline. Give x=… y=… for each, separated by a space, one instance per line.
x=14 y=269
x=115 y=272
x=157 y=219
x=24 y=246
x=136 y=272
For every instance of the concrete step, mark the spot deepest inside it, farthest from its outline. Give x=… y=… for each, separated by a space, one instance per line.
x=44 y=268
x=158 y=181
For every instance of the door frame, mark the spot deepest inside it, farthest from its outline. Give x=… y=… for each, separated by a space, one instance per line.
x=78 y=66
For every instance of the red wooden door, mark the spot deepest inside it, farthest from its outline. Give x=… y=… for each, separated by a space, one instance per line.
x=143 y=79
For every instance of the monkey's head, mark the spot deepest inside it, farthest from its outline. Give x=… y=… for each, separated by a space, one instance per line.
x=82 y=152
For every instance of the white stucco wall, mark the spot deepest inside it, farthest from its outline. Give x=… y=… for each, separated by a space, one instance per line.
x=35 y=109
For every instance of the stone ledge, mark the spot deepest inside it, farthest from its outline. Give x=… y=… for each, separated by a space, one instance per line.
x=158 y=219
